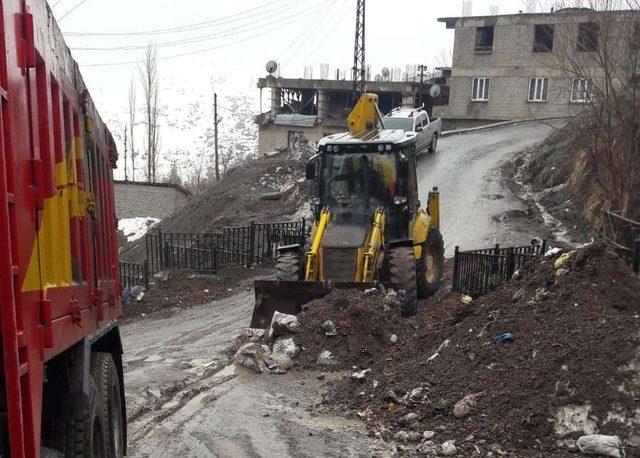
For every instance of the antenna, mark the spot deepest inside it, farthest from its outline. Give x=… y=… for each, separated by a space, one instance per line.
x=467 y=8
x=359 y=69
x=271 y=67
x=494 y=10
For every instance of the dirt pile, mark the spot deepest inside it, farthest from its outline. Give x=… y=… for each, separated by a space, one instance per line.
x=548 y=357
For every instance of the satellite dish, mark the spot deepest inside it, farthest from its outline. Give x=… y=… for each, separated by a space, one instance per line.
x=271 y=67
x=435 y=91
x=379 y=78
x=386 y=72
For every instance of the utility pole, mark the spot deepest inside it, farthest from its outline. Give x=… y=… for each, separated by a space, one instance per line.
x=359 y=69
x=421 y=69
x=125 y=153
x=215 y=133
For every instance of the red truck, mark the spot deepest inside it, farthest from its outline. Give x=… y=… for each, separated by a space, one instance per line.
x=61 y=383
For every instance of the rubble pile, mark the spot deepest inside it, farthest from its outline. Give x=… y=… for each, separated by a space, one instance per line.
x=527 y=369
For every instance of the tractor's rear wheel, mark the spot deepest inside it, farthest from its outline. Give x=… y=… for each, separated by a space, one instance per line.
x=289 y=266
x=86 y=435
x=105 y=373
x=431 y=265
x=401 y=270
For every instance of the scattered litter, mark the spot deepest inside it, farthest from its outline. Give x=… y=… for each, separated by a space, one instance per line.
x=553 y=251
x=504 y=337
x=449 y=448
x=442 y=346
x=562 y=259
x=393 y=338
x=369 y=291
x=599 y=444
x=329 y=329
x=415 y=396
x=326 y=359
x=287 y=347
x=360 y=375
x=466 y=299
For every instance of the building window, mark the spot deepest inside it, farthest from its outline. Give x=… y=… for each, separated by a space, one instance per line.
x=538 y=89
x=480 y=90
x=543 y=38
x=581 y=90
x=588 y=37
x=484 y=39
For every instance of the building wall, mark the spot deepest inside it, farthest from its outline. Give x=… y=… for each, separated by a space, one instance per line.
x=510 y=65
x=140 y=200
x=273 y=137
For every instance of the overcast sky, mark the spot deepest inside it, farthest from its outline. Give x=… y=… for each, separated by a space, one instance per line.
x=239 y=37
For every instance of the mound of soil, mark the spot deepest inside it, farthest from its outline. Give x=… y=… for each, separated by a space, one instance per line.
x=575 y=348
x=183 y=289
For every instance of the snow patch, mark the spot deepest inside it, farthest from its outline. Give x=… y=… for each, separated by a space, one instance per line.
x=135 y=228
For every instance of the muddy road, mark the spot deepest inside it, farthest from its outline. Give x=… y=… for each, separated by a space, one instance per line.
x=184 y=398
x=477 y=209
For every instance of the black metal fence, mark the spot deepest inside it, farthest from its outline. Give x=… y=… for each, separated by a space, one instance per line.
x=132 y=274
x=206 y=253
x=476 y=272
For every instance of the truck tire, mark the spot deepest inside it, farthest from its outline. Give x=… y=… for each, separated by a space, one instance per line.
x=289 y=266
x=105 y=373
x=86 y=434
x=401 y=270
x=431 y=265
x=433 y=146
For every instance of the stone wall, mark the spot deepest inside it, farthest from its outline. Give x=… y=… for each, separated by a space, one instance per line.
x=144 y=199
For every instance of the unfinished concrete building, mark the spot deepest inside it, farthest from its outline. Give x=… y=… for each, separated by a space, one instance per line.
x=519 y=66
x=302 y=111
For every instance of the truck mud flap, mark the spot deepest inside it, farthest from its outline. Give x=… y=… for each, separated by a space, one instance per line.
x=290 y=296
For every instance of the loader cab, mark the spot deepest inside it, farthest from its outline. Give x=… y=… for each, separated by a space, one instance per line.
x=355 y=174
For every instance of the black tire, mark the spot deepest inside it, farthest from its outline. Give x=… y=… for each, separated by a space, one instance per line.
x=433 y=146
x=401 y=270
x=431 y=265
x=289 y=265
x=105 y=373
x=86 y=434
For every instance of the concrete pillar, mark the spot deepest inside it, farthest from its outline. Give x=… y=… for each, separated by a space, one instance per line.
x=408 y=99
x=276 y=101
x=322 y=104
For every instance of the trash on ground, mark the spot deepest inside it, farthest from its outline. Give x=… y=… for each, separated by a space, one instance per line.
x=287 y=347
x=599 y=444
x=283 y=324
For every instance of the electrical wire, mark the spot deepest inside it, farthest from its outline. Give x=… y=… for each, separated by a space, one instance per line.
x=223 y=34
x=71 y=10
x=194 y=26
x=56 y=4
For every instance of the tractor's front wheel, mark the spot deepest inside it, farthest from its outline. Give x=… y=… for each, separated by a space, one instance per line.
x=401 y=270
x=431 y=265
x=289 y=265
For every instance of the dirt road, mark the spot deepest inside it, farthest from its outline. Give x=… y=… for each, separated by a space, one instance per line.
x=476 y=208
x=183 y=399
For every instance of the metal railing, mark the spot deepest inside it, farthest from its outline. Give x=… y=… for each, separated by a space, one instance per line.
x=132 y=274
x=477 y=272
x=207 y=252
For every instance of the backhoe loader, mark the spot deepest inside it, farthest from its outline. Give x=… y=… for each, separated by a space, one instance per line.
x=369 y=224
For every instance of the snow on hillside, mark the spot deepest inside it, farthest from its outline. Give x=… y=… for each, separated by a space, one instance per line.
x=187 y=123
x=135 y=228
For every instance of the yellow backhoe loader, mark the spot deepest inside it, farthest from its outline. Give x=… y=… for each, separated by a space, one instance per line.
x=369 y=224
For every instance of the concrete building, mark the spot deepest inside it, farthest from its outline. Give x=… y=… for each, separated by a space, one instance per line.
x=513 y=66
x=302 y=111
x=155 y=200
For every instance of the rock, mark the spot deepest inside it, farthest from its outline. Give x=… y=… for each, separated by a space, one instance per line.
x=463 y=407
x=279 y=363
x=326 y=359
x=360 y=375
x=287 y=347
x=329 y=328
x=408 y=418
x=393 y=338
x=401 y=436
x=428 y=448
x=448 y=448
x=519 y=295
x=253 y=356
x=249 y=336
x=415 y=396
x=428 y=434
x=414 y=436
x=271 y=196
x=283 y=324
x=599 y=444
x=369 y=291
x=391 y=396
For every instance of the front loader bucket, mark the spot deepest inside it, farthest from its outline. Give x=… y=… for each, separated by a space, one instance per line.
x=289 y=297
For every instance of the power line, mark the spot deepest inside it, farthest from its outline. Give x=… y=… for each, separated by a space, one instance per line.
x=56 y=4
x=189 y=27
x=190 y=53
x=71 y=10
x=222 y=34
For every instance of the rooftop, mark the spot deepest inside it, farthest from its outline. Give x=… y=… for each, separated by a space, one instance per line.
x=160 y=185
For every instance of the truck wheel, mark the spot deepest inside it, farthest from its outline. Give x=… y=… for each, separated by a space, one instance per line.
x=289 y=266
x=431 y=264
x=434 y=143
x=86 y=435
x=401 y=270
x=106 y=375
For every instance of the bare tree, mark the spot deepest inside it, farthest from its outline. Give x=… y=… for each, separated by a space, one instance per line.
x=150 y=83
x=132 y=123
x=124 y=129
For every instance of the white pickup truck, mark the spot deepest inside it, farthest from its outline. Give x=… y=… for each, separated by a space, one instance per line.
x=416 y=120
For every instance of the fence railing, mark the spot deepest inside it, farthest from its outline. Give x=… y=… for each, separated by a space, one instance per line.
x=207 y=252
x=623 y=234
x=132 y=274
x=477 y=272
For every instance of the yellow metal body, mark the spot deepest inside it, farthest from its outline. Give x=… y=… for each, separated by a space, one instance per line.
x=312 y=264
x=364 y=115
x=372 y=248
